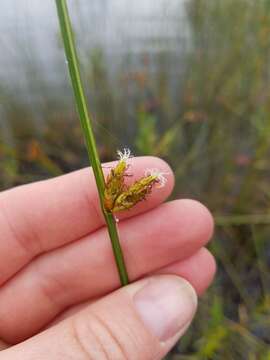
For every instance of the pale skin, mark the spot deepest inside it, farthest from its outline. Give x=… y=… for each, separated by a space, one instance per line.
x=59 y=287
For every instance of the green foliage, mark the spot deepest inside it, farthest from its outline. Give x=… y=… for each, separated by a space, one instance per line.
x=149 y=141
x=147 y=133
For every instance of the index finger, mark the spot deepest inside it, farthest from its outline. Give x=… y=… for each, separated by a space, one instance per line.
x=40 y=217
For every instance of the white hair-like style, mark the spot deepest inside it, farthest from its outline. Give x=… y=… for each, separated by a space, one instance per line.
x=124 y=155
x=158 y=174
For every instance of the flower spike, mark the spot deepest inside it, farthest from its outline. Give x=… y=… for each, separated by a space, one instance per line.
x=159 y=175
x=119 y=196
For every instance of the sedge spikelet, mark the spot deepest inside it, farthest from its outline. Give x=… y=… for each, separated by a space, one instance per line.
x=118 y=196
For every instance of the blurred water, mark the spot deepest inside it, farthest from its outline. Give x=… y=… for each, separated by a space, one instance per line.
x=31 y=59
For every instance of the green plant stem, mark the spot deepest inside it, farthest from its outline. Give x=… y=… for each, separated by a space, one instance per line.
x=237 y=220
x=80 y=98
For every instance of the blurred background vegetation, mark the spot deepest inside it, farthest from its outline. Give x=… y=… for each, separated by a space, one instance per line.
x=185 y=80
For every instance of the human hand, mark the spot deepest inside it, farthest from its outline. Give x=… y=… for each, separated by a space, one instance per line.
x=59 y=296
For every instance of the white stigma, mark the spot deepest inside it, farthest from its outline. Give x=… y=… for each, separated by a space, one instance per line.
x=159 y=175
x=125 y=155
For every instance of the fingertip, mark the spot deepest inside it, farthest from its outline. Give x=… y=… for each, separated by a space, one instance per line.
x=199 y=270
x=206 y=272
x=212 y=272
x=201 y=217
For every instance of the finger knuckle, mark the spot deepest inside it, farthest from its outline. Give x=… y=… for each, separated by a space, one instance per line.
x=96 y=340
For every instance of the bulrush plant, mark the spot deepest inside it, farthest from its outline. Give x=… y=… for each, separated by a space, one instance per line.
x=114 y=193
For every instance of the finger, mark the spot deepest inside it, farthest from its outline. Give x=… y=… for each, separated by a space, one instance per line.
x=141 y=321
x=86 y=268
x=3 y=345
x=43 y=216
x=199 y=270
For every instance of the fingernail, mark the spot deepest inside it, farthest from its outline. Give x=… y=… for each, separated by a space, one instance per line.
x=166 y=304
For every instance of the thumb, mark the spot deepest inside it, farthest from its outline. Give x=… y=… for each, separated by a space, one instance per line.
x=140 y=321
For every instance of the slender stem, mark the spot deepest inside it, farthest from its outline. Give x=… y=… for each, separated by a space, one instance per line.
x=249 y=219
x=80 y=99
